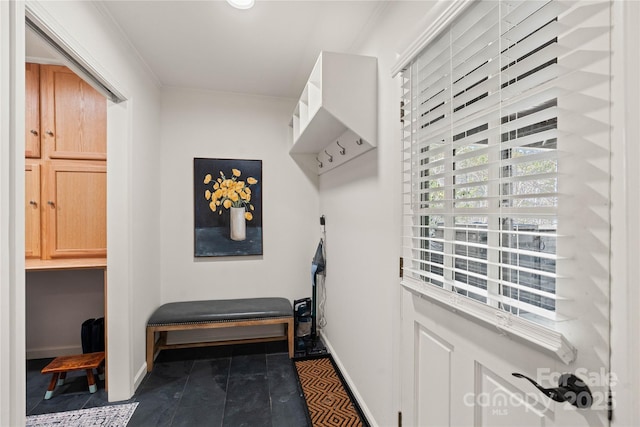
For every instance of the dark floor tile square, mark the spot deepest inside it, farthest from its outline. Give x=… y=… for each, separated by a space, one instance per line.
x=248 y=403
x=207 y=384
x=251 y=364
x=153 y=411
x=196 y=416
x=167 y=373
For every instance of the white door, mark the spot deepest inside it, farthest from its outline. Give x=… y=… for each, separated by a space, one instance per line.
x=459 y=373
x=458 y=361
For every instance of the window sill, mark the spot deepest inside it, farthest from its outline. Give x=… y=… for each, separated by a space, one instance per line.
x=504 y=322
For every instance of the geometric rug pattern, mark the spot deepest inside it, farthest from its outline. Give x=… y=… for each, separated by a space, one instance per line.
x=103 y=416
x=327 y=400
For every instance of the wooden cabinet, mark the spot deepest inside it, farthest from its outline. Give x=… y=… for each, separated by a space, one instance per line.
x=65 y=174
x=32 y=209
x=73 y=116
x=75 y=209
x=32 y=114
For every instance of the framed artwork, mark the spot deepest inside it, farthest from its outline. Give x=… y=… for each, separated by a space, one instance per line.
x=227 y=207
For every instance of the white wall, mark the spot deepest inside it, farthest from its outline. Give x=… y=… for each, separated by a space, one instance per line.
x=57 y=302
x=230 y=126
x=361 y=202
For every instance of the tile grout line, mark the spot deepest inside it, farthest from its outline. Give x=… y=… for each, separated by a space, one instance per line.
x=175 y=411
x=266 y=364
x=226 y=391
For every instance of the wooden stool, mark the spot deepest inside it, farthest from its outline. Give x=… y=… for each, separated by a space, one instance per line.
x=63 y=364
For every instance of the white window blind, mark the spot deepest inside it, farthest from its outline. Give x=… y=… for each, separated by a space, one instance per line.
x=505 y=123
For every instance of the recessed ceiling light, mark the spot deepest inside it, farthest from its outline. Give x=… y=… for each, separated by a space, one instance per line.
x=241 y=4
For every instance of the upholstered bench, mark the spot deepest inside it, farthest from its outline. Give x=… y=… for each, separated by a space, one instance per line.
x=181 y=316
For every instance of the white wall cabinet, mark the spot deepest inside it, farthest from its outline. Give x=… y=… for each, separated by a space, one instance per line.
x=335 y=118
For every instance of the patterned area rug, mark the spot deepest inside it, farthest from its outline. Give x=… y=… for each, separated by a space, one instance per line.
x=103 y=416
x=328 y=400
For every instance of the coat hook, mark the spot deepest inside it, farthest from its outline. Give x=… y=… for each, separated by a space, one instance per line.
x=319 y=162
x=330 y=156
x=359 y=141
x=343 y=151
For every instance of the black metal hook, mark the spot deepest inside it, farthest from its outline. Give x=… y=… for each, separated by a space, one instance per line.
x=319 y=162
x=329 y=155
x=343 y=151
x=570 y=389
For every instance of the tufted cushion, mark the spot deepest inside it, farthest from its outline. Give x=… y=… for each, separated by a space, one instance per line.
x=220 y=311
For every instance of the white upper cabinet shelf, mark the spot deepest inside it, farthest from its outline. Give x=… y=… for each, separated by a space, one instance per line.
x=336 y=115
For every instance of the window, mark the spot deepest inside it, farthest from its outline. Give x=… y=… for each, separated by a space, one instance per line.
x=491 y=108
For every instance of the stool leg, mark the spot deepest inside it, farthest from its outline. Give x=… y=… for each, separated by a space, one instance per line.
x=92 y=381
x=52 y=386
x=101 y=373
x=63 y=376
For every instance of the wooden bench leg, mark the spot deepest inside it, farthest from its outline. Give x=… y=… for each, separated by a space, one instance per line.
x=151 y=342
x=92 y=381
x=63 y=376
x=52 y=386
x=290 y=338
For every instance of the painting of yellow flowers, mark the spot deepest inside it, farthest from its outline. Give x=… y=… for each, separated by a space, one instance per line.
x=228 y=207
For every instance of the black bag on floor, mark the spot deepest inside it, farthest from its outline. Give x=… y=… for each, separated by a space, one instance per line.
x=85 y=335
x=92 y=335
x=97 y=335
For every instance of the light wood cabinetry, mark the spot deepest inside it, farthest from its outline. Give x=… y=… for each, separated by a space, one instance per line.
x=73 y=116
x=32 y=209
x=75 y=209
x=66 y=186
x=32 y=114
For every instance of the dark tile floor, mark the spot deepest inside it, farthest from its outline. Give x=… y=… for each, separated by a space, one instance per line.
x=243 y=385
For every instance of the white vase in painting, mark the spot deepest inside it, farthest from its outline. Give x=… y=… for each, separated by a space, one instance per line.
x=238 y=224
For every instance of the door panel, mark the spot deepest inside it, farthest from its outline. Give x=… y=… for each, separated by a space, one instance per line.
x=73 y=116
x=459 y=373
x=32 y=112
x=434 y=357
x=76 y=209
x=32 y=210
x=499 y=403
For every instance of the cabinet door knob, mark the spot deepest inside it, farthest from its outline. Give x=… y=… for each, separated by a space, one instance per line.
x=33 y=203
x=49 y=133
x=50 y=203
x=34 y=132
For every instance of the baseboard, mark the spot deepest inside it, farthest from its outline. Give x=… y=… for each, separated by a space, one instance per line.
x=137 y=380
x=47 y=352
x=345 y=375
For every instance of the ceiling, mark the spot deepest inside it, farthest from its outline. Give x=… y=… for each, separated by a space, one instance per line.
x=267 y=50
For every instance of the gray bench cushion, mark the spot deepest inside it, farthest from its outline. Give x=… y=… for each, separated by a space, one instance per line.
x=220 y=311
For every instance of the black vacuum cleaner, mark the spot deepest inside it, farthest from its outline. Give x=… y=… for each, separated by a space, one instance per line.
x=307 y=342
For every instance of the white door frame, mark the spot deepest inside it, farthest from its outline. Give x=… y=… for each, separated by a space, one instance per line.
x=12 y=277
x=625 y=213
x=119 y=215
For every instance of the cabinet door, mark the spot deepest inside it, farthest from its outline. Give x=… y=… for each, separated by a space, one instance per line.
x=74 y=116
x=32 y=210
x=75 y=209
x=32 y=113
